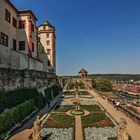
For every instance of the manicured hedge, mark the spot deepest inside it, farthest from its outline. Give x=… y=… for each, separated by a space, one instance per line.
x=13 y=98
x=14 y=115
x=52 y=92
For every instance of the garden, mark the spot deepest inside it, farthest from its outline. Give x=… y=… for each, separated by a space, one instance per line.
x=61 y=124
x=81 y=94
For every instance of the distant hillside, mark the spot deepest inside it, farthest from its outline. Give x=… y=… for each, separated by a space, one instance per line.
x=112 y=77
x=117 y=77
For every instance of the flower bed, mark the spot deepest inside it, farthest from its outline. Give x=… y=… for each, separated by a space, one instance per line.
x=93 y=108
x=89 y=103
x=97 y=120
x=84 y=93
x=92 y=103
x=100 y=133
x=58 y=127
x=69 y=96
x=64 y=108
x=69 y=93
x=59 y=121
x=66 y=103
x=85 y=96
x=57 y=133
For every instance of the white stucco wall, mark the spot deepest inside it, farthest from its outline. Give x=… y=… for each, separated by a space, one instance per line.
x=44 y=39
x=6 y=27
x=10 y=58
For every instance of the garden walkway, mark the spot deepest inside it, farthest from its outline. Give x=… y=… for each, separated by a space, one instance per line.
x=133 y=129
x=78 y=128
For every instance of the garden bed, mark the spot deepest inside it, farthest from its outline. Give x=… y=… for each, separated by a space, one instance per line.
x=59 y=121
x=69 y=96
x=86 y=96
x=83 y=93
x=97 y=120
x=64 y=108
x=57 y=133
x=93 y=108
x=69 y=93
x=58 y=127
x=106 y=133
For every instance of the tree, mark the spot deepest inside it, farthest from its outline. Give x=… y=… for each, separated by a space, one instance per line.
x=104 y=85
x=93 y=83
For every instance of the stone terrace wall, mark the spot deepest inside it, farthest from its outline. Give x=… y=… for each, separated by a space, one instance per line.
x=13 y=79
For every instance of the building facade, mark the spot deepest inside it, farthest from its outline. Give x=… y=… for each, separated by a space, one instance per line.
x=19 y=43
x=82 y=73
x=46 y=35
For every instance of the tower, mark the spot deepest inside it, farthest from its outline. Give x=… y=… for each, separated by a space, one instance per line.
x=46 y=35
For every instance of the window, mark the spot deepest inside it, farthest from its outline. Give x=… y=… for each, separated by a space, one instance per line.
x=14 y=22
x=7 y=16
x=44 y=27
x=21 y=45
x=33 y=47
x=32 y=27
x=14 y=44
x=49 y=63
x=47 y=35
x=48 y=42
x=3 y=39
x=21 y=24
x=48 y=51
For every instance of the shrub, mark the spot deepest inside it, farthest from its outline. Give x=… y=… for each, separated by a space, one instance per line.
x=103 y=85
x=15 y=115
x=13 y=98
x=52 y=92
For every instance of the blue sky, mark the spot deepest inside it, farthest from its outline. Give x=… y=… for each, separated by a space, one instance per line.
x=102 y=36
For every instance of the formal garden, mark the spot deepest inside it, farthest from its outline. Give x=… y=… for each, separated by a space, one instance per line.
x=96 y=122
x=80 y=94
x=75 y=85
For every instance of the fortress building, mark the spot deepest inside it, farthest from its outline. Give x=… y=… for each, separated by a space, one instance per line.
x=23 y=45
x=46 y=35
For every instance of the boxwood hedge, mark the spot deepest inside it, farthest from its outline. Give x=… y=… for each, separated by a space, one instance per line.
x=14 y=115
x=13 y=98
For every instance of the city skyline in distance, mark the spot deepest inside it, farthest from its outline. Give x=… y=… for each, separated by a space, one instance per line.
x=102 y=37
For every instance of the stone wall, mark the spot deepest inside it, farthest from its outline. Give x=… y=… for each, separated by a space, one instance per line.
x=13 y=79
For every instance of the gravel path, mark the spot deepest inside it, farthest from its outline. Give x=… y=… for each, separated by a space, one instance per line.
x=78 y=128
